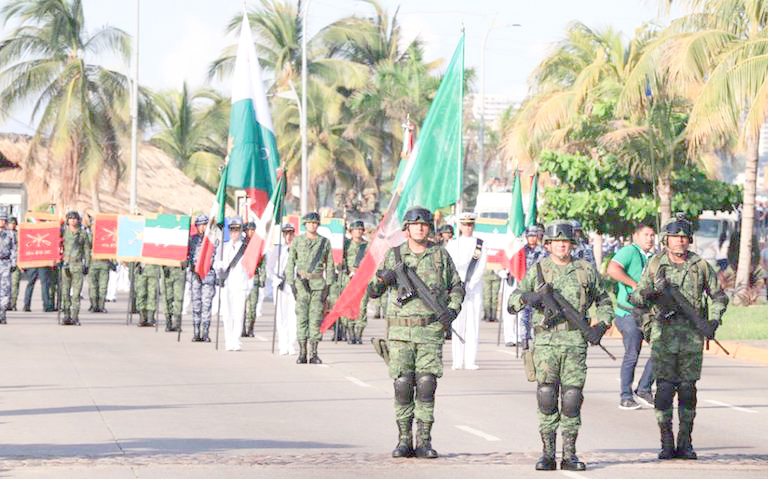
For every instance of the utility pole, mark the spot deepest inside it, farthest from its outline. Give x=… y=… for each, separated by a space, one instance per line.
x=135 y=116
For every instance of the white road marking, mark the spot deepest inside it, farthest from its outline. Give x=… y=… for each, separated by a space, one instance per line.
x=260 y=338
x=504 y=351
x=477 y=433
x=573 y=474
x=354 y=380
x=322 y=366
x=738 y=408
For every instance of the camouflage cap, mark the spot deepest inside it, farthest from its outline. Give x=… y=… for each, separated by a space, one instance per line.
x=250 y=225
x=312 y=217
x=559 y=230
x=534 y=230
x=201 y=220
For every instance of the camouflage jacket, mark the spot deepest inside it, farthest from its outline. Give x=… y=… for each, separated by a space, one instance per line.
x=77 y=251
x=697 y=282
x=533 y=255
x=349 y=262
x=579 y=284
x=435 y=267
x=8 y=247
x=301 y=254
x=583 y=250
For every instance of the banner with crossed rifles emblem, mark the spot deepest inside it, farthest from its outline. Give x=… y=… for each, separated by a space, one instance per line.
x=39 y=244
x=104 y=232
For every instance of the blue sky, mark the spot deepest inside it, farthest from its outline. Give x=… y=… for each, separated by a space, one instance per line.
x=180 y=38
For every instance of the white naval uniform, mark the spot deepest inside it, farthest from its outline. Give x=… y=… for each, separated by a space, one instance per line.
x=285 y=303
x=233 y=295
x=467 y=324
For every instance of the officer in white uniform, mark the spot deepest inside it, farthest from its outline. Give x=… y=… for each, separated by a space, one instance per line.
x=235 y=285
x=285 y=303
x=469 y=255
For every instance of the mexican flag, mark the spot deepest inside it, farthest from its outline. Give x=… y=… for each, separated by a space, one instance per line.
x=530 y=220
x=515 y=250
x=334 y=230
x=253 y=157
x=438 y=148
x=266 y=226
x=165 y=239
x=213 y=233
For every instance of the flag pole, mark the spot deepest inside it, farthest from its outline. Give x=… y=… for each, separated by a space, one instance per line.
x=276 y=299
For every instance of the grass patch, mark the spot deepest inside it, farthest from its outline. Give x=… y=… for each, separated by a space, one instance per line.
x=744 y=322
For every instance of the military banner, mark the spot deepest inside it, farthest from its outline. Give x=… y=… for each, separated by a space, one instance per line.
x=493 y=232
x=331 y=228
x=39 y=244
x=104 y=236
x=130 y=237
x=165 y=239
x=39 y=217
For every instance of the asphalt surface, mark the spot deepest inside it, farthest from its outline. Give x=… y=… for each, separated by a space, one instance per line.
x=110 y=400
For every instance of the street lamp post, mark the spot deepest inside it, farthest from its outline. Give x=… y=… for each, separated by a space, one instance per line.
x=303 y=112
x=135 y=118
x=481 y=168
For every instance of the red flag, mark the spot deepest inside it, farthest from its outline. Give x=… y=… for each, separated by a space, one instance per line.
x=39 y=244
x=104 y=236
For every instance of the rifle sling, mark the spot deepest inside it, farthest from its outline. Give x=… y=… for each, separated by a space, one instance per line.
x=238 y=255
x=473 y=262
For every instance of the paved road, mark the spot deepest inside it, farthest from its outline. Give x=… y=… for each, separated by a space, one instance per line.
x=117 y=401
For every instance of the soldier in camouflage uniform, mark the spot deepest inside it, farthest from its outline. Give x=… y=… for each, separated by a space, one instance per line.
x=174 y=280
x=354 y=250
x=259 y=280
x=534 y=251
x=416 y=333
x=676 y=343
x=491 y=287
x=145 y=287
x=8 y=256
x=310 y=288
x=202 y=290
x=74 y=266
x=16 y=273
x=560 y=349
x=98 y=277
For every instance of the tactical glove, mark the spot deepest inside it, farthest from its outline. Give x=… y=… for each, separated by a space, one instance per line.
x=659 y=284
x=649 y=293
x=596 y=333
x=13 y=269
x=447 y=317
x=386 y=276
x=531 y=298
x=709 y=330
x=85 y=269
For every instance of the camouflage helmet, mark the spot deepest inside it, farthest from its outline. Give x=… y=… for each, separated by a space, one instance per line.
x=678 y=225
x=534 y=230
x=417 y=215
x=312 y=217
x=250 y=225
x=357 y=225
x=73 y=214
x=446 y=229
x=576 y=225
x=288 y=228
x=13 y=220
x=201 y=220
x=559 y=230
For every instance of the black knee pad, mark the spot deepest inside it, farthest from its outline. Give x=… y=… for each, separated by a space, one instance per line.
x=665 y=394
x=546 y=395
x=686 y=395
x=404 y=389
x=572 y=399
x=426 y=384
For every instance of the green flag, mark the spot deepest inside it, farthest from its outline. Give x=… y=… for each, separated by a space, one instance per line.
x=431 y=175
x=531 y=218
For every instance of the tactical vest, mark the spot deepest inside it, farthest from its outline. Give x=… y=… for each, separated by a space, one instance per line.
x=582 y=274
x=697 y=269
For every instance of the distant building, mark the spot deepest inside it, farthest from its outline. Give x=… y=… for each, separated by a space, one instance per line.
x=495 y=106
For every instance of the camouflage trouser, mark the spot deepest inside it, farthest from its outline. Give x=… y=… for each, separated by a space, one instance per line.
x=54 y=288
x=681 y=366
x=561 y=366
x=173 y=281
x=71 y=286
x=309 y=313
x=362 y=319
x=202 y=292
x=5 y=286
x=145 y=288
x=491 y=285
x=98 y=279
x=15 y=280
x=250 y=307
x=409 y=358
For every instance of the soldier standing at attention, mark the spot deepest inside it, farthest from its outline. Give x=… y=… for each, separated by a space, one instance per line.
x=98 y=275
x=309 y=272
x=676 y=342
x=16 y=273
x=559 y=348
x=202 y=289
x=174 y=279
x=74 y=264
x=354 y=250
x=8 y=256
x=147 y=279
x=415 y=332
x=259 y=280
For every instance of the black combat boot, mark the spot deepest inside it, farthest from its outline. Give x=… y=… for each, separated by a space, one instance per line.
x=424 y=440
x=168 y=323
x=102 y=309
x=302 y=359
x=570 y=462
x=350 y=332
x=684 y=446
x=244 y=332
x=667 y=440
x=92 y=308
x=151 y=317
x=547 y=460
x=204 y=337
x=404 y=446
x=177 y=322
x=250 y=328
x=314 y=359
x=142 y=319
x=195 y=332
x=75 y=318
x=360 y=335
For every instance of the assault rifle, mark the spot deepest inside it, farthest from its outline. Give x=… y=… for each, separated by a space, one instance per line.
x=554 y=305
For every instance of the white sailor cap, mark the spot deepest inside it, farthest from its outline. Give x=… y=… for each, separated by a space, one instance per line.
x=467 y=217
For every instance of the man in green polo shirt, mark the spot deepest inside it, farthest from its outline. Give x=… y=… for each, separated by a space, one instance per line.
x=626 y=267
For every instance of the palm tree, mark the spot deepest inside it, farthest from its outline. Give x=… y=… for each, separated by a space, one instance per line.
x=80 y=105
x=719 y=55
x=193 y=131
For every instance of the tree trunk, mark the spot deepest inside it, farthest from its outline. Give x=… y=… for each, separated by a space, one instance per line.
x=597 y=250
x=95 y=201
x=748 y=213
x=665 y=197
